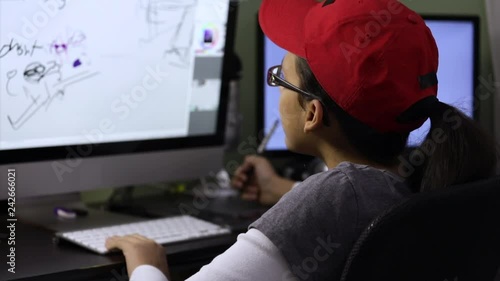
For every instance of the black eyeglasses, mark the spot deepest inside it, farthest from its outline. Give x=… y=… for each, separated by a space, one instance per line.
x=275 y=79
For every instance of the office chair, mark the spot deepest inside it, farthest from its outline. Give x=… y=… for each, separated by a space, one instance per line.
x=444 y=235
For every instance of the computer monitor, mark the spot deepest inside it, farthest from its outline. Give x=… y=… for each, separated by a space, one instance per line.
x=457 y=40
x=112 y=93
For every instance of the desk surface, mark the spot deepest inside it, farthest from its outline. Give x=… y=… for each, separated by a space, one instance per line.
x=38 y=257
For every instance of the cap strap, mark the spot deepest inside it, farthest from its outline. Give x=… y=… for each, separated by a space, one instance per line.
x=328 y=2
x=422 y=109
x=428 y=80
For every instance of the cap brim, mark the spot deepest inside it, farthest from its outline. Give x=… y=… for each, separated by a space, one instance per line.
x=283 y=22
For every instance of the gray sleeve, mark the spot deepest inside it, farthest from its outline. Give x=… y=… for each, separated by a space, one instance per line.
x=314 y=226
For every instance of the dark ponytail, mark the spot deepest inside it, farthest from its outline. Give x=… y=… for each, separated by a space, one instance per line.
x=456 y=150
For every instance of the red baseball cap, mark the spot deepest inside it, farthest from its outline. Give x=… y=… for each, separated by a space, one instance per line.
x=374 y=58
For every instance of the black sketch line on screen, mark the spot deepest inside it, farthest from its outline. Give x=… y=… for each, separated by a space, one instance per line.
x=159 y=20
x=35 y=73
x=19 y=49
x=10 y=75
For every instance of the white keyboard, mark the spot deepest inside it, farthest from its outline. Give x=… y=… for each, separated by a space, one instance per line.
x=163 y=231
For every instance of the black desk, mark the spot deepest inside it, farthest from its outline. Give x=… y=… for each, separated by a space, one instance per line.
x=39 y=258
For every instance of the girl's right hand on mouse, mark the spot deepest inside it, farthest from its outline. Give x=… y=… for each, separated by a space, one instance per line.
x=258 y=181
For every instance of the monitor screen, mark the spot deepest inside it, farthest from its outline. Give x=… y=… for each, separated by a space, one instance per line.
x=457 y=42
x=102 y=78
x=80 y=72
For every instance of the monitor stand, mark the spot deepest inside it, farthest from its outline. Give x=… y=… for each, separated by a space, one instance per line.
x=39 y=211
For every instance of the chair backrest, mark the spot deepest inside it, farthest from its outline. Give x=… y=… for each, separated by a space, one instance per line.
x=451 y=234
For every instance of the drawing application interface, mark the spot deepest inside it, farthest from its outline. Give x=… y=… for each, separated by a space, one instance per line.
x=95 y=71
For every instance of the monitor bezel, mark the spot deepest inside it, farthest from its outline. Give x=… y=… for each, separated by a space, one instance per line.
x=475 y=20
x=17 y=156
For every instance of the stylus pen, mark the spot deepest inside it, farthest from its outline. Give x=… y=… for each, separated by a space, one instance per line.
x=263 y=144
x=266 y=139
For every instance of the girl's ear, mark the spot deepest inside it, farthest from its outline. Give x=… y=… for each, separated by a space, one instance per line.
x=313 y=116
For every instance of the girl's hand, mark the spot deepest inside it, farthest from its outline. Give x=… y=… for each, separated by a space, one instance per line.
x=139 y=250
x=259 y=182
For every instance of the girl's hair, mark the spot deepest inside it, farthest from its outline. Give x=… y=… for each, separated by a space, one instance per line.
x=456 y=150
